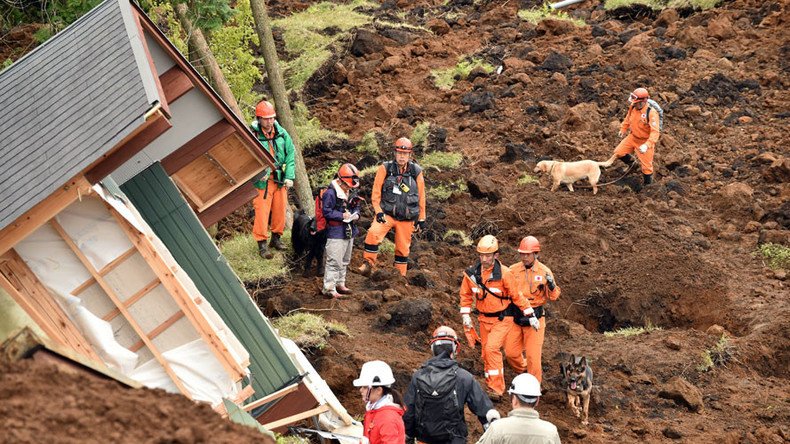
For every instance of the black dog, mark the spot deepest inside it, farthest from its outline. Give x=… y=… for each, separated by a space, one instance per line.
x=306 y=241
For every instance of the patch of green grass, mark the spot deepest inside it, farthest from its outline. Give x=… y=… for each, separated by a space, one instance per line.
x=308 y=330
x=241 y=251
x=368 y=170
x=321 y=178
x=386 y=246
x=445 y=78
x=291 y=439
x=693 y=4
x=369 y=144
x=441 y=160
x=420 y=133
x=776 y=256
x=8 y=62
x=718 y=355
x=457 y=236
x=662 y=4
x=536 y=15
x=306 y=41
x=309 y=128
x=631 y=331
x=443 y=191
x=527 y=179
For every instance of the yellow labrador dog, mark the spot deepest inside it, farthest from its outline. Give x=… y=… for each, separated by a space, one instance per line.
x=570 y=172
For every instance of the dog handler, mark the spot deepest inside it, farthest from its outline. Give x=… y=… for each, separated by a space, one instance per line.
x=340 y=215
x=399 y=200
x=533 y=280
x=383 y=423
x=645 y=131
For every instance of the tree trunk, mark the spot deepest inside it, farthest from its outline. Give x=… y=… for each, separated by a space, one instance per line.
x=263 y=26
x=197 y=41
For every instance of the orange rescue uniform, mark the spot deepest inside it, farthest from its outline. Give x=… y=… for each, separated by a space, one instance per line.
x=495 y=325
x=271 y=202
x=403 y=228
x=642 y=131
x=530 y=283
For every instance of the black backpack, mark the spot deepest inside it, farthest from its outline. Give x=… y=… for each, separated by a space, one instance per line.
x=436 y=403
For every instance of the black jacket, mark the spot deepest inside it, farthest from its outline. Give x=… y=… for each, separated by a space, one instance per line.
x=468 y=390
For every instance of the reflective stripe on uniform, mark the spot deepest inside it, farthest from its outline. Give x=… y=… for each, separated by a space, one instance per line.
x=495 y=290
x=494 y=372
x=475 y=290
x=466 y=310
x=371 y=248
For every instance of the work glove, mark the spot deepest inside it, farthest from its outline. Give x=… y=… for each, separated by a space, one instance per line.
x=643 y=148
x=550 y=282
x=492 y=415
x=467 y=320
x=288 y=183
x=380 y=218
x=533 y=320
x=621 y=134
x=419 y=225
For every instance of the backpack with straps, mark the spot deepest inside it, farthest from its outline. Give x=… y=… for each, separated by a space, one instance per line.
x=436 y=403
x=652 y=104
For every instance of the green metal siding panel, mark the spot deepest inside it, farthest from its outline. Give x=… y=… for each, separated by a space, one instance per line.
x=156 y=197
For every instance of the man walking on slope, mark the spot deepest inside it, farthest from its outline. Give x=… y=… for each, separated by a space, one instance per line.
x=488 y=284
x=398 y=198
x=645 y=128
x=272 y=198
x=533 y=280
x=437 y=393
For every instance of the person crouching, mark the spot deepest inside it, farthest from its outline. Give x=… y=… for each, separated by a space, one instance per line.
x=340 y=212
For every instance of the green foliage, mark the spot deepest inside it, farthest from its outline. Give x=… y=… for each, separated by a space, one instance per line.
x=441 y=160
x=445 y=78
x=718 y=355
x=420 y=133
x=443 y=191
x=8 y=62
x=241 y=251
x=661 y=4
x=210 y=15
x=369 y=170
x=56 y=14
x=309 y=128
x=161 y=12
x=614 y=4
x=386 y=246
x=307 y=330
x=775 y=255
x=368 y=145
x=308 y=47
x=322 y=177
x=527 y=179
x=43 y=34
x=631 y=331
x=694 y=4
x=291 y=440
x=536 y=15
x=457 y=237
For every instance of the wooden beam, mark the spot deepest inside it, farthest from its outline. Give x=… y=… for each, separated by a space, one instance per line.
x=271 y=397
x=132 y=299
x=45 y=210
x=175 y=83
x=197 y=146
x=131 y=145
x=243 y=194
x=158 y=330
x=297 y=417
x=106 y=269
x=116 y=300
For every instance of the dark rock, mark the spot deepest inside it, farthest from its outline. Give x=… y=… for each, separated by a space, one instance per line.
x=598 y=31
x=778 y=171
x=421 y=280
x=366 y=42
x=437 y=138
x=683 y=393
x=625 y=36
x=370 y=305
x=556 y=62
x=670 y=52
x=676 y=186
x=671 y=433
x=414 y=313
x=781 y=237
x=438 y=26
x=482 y=187
x=478 y=101
x=517 y=151
x=401 y=36
x=478 y=71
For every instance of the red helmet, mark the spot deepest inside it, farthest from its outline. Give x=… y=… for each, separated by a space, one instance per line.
x=349 y=174
x=403 y=145
x=445 y=333
x=265 y=110
x=639 y=95
x=529 y=245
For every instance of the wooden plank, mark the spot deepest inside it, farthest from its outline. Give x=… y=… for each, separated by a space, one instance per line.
x=117 y=261
x=142 y=137
x=37 y=216
x=230 y=203
x=203 y=178
x=271 y=397
x=196 y=146
x=158 y=330
x=244 y=394
x=132 y=299
x=297 y=417
x=114 y=298
x=236 y=159
x=175 y=83
x=191 y=195
x=180 y=295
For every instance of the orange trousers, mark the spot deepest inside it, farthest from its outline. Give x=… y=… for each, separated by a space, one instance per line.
x=631 y=145
x=526 y=339
x=376 y=233
x=273 y=202
x=493 y=335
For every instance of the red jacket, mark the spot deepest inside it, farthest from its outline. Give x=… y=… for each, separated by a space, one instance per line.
x=384 y=425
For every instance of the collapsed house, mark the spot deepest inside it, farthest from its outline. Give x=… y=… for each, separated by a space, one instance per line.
x=115 y=155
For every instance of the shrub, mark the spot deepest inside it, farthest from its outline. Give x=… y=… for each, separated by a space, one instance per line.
x=443 y=191
x=527 y=179
x=368 y=170
x=457 y=236
x=322 y=177
x=369 y=144
x=718 y=355
x=386 y=246
x=420 y=133
x=445 y=78
x=309 y=128
x=631 y=331
x=661 y=4
x=308 y=330
x=441 y=160
x=776 y=256
x=241 y=251
x=536 y=15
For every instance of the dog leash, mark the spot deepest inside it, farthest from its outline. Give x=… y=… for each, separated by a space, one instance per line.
x=628 y=170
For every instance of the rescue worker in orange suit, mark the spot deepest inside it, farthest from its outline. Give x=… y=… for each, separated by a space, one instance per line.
x=535 y=281
x=488 y=285
x=272 y=199
x=398 y=198
x=644 y=127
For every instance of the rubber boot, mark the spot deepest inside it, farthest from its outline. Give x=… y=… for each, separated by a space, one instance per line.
x=365 y=269
x=647 y=179
x=276 y=243
x=628 y=159
x=263 y=250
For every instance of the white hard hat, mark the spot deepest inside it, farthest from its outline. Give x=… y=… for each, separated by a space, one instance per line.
x=525 y=385
x=374 y=374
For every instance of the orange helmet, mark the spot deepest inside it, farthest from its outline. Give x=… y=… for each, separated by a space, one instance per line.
x=488 y=244
x=639 y=95
x=265 y=110
x=529 y=245
x=349 y=174
x=443 y=335
x=403 y=145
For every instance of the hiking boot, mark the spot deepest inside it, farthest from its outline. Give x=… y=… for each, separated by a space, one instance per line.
x=263 y=250
x=647 y=179
x=365 y=269
x=276 y=243
x=333 y=294
x=628 y=159
x=342 y=289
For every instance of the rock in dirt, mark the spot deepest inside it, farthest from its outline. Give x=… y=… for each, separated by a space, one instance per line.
x=415 y=313
x=478 y=101
x=715 y=330
x=555 y=27
x=735 y=199
x=666 y=18
x=637 y=58
x=482 y=187
x=683 y=393
x=383 y=108
x=421 y=280
x=781 y=237
x=721 y=28
x=557 y=62
x=672 y=433
x=391 y=63
x=517 y=151
x=672 y=344
x=778 y=171
x=582 y=117
x=366 y=42
x=438 y=26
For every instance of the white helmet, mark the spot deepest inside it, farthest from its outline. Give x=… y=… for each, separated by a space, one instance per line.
x=525 y=385
x=375 y=374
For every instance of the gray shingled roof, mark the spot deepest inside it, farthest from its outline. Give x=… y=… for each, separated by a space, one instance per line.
x=67 y=103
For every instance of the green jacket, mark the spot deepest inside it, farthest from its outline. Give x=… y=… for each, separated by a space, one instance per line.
x=283 y=155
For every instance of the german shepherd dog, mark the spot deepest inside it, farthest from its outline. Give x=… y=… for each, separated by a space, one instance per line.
x=577 y=377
